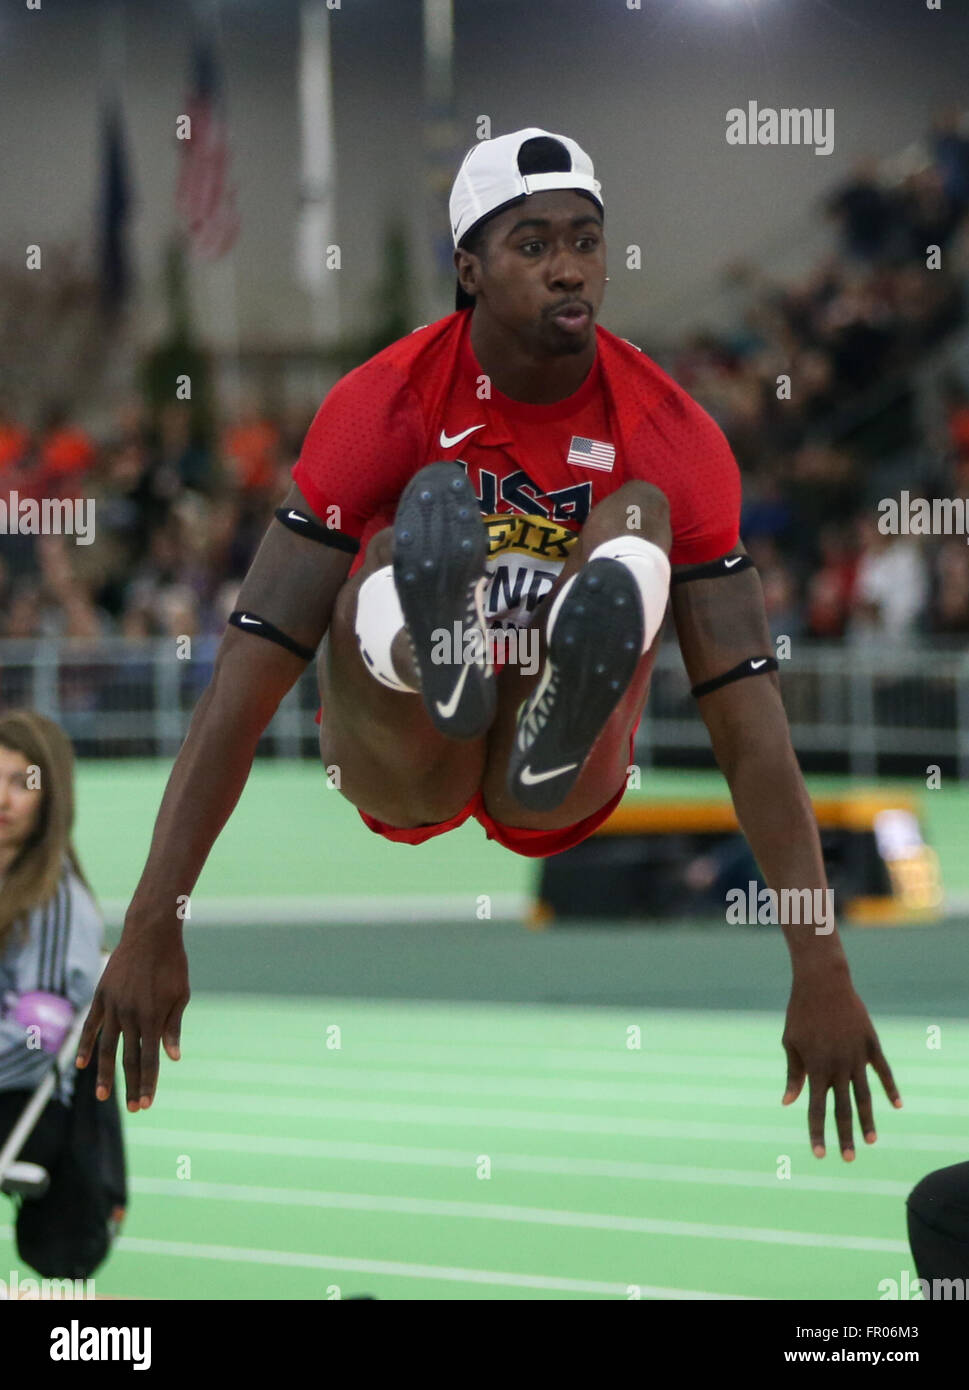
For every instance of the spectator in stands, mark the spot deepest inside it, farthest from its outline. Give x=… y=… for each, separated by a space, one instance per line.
x=857 y=329
x=178 y=459
x=955 y=403
x=891 y=590
x=250 y=450
x=949 y=143
x=766 y=511
x=780 y=588
x=822 y=483
x=136 y=624
x=931 y=215
x=296 y=420
x=23 y=610
x=950 y=604
x=830 y=590
x=66 y=454
x=867 y=215
x=226 y=554
x=178 y=611
x=14 y=441
x=799 y=305
x=119 y=490
x=928 y=306
x=131 y=427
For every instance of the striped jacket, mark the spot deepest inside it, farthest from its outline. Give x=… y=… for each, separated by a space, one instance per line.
x=61 y=954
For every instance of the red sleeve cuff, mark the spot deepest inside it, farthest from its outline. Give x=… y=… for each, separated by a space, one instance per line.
x=350 y=523
x=706 y=548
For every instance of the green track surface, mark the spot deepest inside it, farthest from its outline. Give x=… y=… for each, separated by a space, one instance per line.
x=290 y=834
x=275 y=1167
x=484 y=1129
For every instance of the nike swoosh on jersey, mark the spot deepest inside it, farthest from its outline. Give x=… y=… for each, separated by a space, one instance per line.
x=448 y=441
x=446 y=708
x=532 y=779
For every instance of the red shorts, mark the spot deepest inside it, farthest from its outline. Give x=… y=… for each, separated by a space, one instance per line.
x=535 y=844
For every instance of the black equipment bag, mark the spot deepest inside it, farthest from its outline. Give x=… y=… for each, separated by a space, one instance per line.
x=67 y=1233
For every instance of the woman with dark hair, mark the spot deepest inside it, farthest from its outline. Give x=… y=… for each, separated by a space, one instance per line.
x=50 y=926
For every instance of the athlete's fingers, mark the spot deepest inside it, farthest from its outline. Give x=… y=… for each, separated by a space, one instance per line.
x=106 y=1054
x=131 y=1059
x=884 y=1073
x=89 y=1032
x=816 y=1107
x=795 y=1077
x=843 y=1117
x=148 y=1078
x=173 y=1029
x=866 y=1116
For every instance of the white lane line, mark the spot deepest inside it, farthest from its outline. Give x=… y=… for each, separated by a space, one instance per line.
x=697 y=1026
x=237 y=1254
x=365 y=1079
x=398 y=1155
x=336 y=909
x=533 y=1216
x=640 y=1066
x=360 y=1043
x=551 y=1122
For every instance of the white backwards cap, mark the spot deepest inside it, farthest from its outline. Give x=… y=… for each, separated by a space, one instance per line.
x=490 y=176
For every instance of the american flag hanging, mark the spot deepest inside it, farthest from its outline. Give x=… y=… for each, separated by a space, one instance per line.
x=591 y=453
x=205 y=201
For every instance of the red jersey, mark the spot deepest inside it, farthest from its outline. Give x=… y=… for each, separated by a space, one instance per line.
x=537 y=470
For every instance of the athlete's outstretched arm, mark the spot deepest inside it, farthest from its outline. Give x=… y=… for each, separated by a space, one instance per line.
x=721 y=623
x=292 y=584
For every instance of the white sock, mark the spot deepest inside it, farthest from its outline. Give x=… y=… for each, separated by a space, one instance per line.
x=650 y=568
x=379 y=619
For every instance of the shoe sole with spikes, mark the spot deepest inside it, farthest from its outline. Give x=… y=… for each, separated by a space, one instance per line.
x=440 y=548
x=592 y=656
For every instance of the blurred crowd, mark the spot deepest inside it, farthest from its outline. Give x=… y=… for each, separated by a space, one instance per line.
x=817 y=390
x=177 y=521
x=815 y=387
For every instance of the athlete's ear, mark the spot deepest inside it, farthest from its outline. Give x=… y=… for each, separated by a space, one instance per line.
x=466 y=264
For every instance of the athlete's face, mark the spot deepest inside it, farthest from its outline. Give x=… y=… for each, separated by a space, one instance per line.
x=19 y=803
x=542 y=274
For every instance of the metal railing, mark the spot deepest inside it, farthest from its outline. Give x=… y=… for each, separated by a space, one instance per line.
x=859 y=709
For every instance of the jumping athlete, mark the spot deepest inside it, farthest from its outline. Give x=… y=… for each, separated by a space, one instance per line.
x=510 y=482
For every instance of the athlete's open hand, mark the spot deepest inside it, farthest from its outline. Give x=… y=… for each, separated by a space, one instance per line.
x=830 y=1040
x=142 y=996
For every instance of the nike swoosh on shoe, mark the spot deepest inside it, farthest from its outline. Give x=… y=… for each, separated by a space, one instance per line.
x=531 y=779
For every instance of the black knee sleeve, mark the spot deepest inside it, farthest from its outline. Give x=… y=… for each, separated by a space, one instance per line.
x=304 y=525
x=259 y=627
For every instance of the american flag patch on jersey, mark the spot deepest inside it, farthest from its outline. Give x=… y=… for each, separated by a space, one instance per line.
x=591 y=453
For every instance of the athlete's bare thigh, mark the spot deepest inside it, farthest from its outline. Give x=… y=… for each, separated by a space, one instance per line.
x=392 y=762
